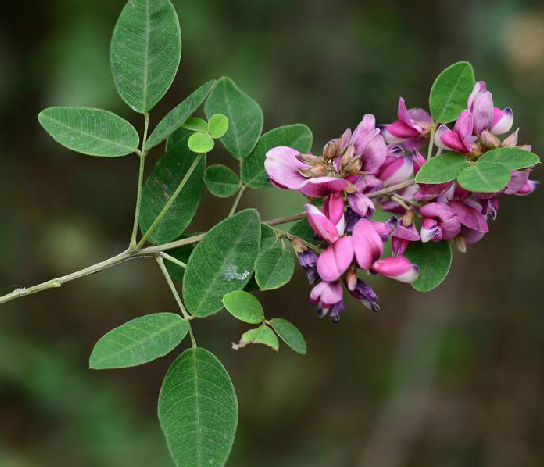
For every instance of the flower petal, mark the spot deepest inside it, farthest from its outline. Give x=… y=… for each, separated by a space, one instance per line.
x=367 y=243
x=283 y=167
x=398 y=268
x=335 y=260
x=321 y=224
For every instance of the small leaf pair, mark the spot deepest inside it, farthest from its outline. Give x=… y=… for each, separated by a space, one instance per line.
x=202 y=141
x=490 y=174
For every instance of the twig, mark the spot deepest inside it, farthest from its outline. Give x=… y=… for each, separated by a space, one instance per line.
x=237 y=200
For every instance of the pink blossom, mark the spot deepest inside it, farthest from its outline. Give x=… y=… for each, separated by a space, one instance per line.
x=410 y=127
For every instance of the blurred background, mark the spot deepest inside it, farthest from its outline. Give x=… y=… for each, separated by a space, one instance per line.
x=451 y=378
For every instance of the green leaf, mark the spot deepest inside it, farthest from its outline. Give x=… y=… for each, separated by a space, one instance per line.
x=179 y=115
x=298 y=137
x=289 y=334
x=303 y=230
x=145 y=52
x=198 y=410
x=261 y=335
x=196 y=124
x=511 y=158
x=442 y=169
x=181 y=253
x=274 y=268
x=218 y=126
x=139 y=341
x=201 y=143
x=244 y=306
x=244 y=115
x=222 y=262
x=434 y=261
x=484 y=178
x=450 y=92
x=161 y=184
x=90 y=131
x=268 y=237
x=221 y=181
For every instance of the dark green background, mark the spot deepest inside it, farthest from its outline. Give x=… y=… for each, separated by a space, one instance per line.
x=452 y=378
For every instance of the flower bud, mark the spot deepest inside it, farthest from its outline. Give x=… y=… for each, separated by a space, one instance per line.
x=331 y=150
x=408 y=218
x=461 y=244
x=298 y=246
x=316 y=171
x=489 y=140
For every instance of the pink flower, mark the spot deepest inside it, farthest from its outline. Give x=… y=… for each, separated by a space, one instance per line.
x=486 y=115
x=409 y=129
x=286 y=170
x=470 y=213
x=335 y=260
x=460 y=139
x=439 y=223
x=321 y=224
x=361 y=204
x=402 y=236
x=396 y=169
x=328 y=297
x=367 y=244
x=396 y=267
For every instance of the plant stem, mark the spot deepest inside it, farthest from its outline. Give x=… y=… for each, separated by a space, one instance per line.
x=237 y=200
x=170 y=202
x=142 y=154
x=391 y=189
x=431 y=141
x=186 y=315
x=167 y=257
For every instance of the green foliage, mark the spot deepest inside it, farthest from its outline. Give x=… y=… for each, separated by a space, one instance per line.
x=304 y=231
x=139 y=341
x=511 y=158
x=441 y=169
x=182 y=254
x=198 y=410
x=145 y=52
x=261 y=335
x=484 y=178
x=434 y=261
x=450 y=92
x=274 y=268
x=90 y=131
x=244 y=115
x=179 y=115
x=289 y=334
x=221 y=181
x=268 y=237
x=196 y=124
x=244 y=306
x=161 y=184
x=222 y=262
x=201 y=143
x=298 y=137
x=218 y=126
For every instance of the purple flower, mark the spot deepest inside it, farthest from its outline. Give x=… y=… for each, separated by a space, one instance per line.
x=364 y=293
x=308 y=260
x=409 y=129
x=470 y=213
x=361 y=204
x=402 y=236
x=460 y=139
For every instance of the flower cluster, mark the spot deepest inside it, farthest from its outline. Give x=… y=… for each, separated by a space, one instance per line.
x=380 y=163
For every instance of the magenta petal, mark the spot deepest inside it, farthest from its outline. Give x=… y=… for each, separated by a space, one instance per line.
x=417 y=162
x=322 y=186
x=284 y=168
x=470 y=216
x=374 y=155
x=398 y=171
x=326 y=293
x=471 y=236
x=367 y=244
x=528 y=188
x=401 y=130
x=517 y=180
x=398 y=268
x=419 y=115
x=333 y=207
x=335 y=260
x=482 y=112
x=406 y=233
x=451 y=140
x=479 y=87
x=464 y=125
x=321 y=225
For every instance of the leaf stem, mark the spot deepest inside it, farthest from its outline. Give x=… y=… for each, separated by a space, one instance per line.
x=170 y=202
x=142 y=154
x=184 y=312
x=431 y=141
x=237 y=200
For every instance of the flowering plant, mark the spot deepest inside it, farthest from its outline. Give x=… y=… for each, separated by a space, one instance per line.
x=433 y=201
